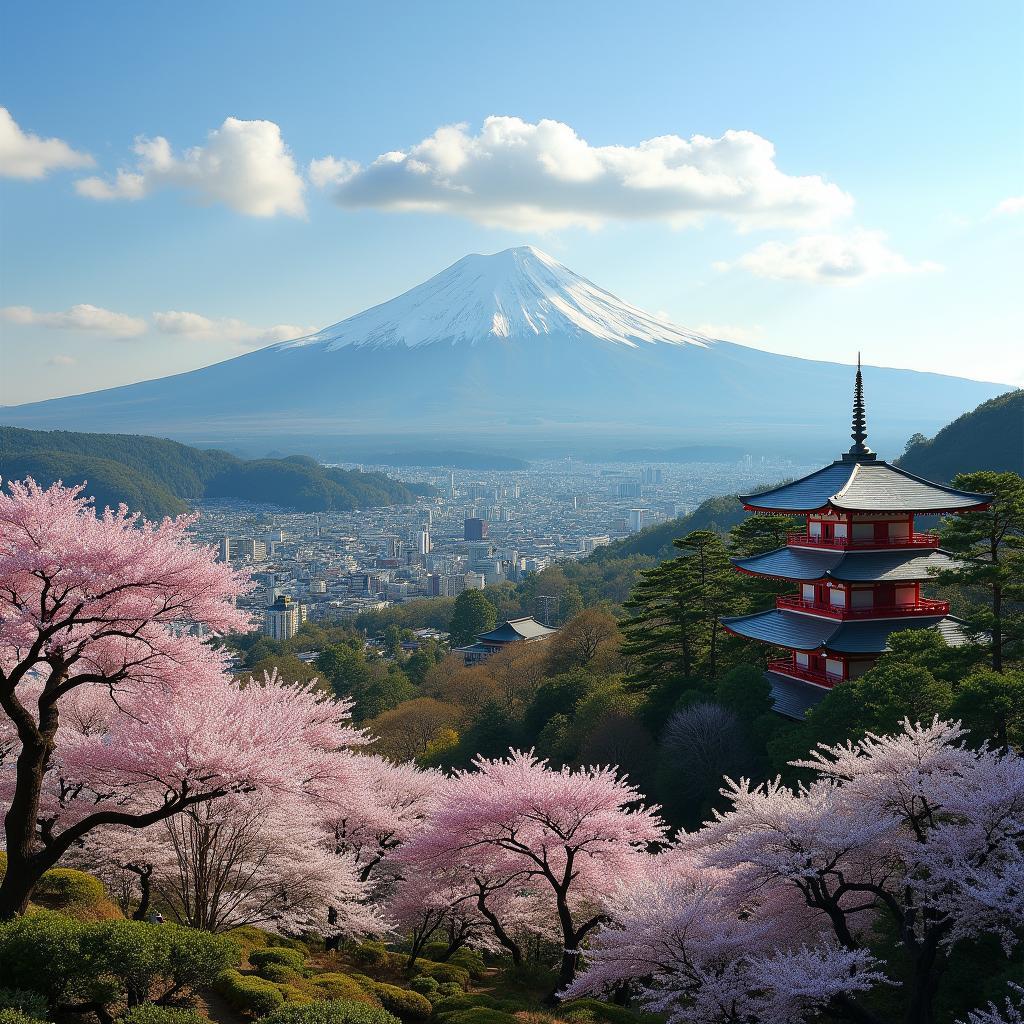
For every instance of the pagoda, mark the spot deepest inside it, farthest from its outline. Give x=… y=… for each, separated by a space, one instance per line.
x=858 y=566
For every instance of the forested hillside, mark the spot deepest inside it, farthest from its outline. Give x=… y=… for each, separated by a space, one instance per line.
x=989 y=437
x=161 y=477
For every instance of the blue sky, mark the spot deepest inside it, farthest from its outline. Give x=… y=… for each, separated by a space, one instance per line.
x=831 y=177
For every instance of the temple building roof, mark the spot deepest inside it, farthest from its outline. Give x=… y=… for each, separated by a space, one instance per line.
x=803 y=632
x=793 y=697
x=864 y=486
x=525 y=628
x=860 y=482
x=807 y=565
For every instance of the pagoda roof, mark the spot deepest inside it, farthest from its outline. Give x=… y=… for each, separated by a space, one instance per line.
x=797 y=563
x=843 y=636
x=525 y=628
x=794 y=697
x=863 y=484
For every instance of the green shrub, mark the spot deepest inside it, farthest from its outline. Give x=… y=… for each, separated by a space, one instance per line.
x=479 y=1015
x=16 y=1017
x=587 y=1010
x=280 y=956
x=296 y=993
x=249 y=938
x=32 y=1004
x=67 y=889
x=329 y=1011
x=424 y=985
x=442 y=972
x=371 y=954
x=447 y=989
x=445 y=1009
x=279 y=974
x=148 y=1013
x=404 y=1003
x=42 y=952
x=341 y=986
x=470 y=960
x=249 y=994
x=148 y=961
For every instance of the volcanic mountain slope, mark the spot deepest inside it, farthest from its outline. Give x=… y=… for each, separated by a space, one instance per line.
x=513 y=346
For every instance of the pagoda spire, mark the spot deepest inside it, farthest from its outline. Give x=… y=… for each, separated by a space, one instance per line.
x=859 y=450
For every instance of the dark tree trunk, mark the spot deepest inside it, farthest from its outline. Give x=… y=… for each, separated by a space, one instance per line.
x=503 y=937
x=25 y=865
x=146 y=885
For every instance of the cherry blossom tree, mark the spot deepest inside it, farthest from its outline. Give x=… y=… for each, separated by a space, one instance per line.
x=372 y=806
x=113 y=712
x=1011 y=1012
x=243 y=859
x=515 y=823
x=765 y=913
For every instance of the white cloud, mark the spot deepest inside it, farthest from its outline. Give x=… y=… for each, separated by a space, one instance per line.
x=61 y=360
x=732 y=332
x=24 y=155
x=329 y=171
x=1011 y=207
x=536 y=176
x=196 y=327
x=832 y=259
x=244 y=164
x=83 y=317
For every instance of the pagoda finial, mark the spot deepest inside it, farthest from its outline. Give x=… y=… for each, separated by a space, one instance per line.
x=860 y=419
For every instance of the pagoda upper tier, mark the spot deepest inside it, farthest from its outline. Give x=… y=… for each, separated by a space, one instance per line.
x=863 y=484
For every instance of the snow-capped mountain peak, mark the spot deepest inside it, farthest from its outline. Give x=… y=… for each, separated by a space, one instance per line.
x=517 y=293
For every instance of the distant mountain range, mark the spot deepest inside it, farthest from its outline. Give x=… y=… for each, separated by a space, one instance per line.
x=511 y=349
x=989 y=437
x=162 y=477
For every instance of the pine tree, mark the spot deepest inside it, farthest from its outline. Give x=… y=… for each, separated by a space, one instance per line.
x=993 y=544
x=674 y=634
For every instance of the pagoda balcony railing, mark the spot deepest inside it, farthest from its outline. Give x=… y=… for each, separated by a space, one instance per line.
x=915 y=540
x=923 y=606
x=786 y=667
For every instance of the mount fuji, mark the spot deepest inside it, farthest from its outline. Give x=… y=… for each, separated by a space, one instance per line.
x=515 y=349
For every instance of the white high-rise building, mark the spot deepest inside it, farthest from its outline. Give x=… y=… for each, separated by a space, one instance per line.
x=636 y=519
x=423 y=542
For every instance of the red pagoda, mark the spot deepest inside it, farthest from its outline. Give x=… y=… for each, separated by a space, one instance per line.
x=858 y=565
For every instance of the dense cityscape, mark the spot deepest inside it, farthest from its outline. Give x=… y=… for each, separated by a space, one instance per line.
x=485 y=527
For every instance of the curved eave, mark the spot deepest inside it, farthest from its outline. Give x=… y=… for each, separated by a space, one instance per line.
x=886 y=561
x=864 y=486
x=809 y=633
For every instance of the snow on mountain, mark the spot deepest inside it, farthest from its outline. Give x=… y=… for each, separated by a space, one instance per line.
x=517 y=293
x=515 y=349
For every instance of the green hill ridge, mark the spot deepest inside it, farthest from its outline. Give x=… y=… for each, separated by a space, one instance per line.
x=161 y=477
x=989 y=437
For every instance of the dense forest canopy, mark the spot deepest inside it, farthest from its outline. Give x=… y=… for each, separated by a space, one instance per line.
x=160 y=477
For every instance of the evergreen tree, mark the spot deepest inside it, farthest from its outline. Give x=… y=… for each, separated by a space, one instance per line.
x=472 y=615
x=756 y=535
x=993 y=544
x=674 y=633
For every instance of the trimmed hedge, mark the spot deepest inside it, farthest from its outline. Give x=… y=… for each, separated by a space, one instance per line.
x=148 y=1013
x=341 y=986
x=586 y=1011
x=279 y=956
x=479 y=1015
x=330 y=1011
x=424 y=985
x=249 y=994
x=442 y=972
x=279 y=974
x=403 y=1002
